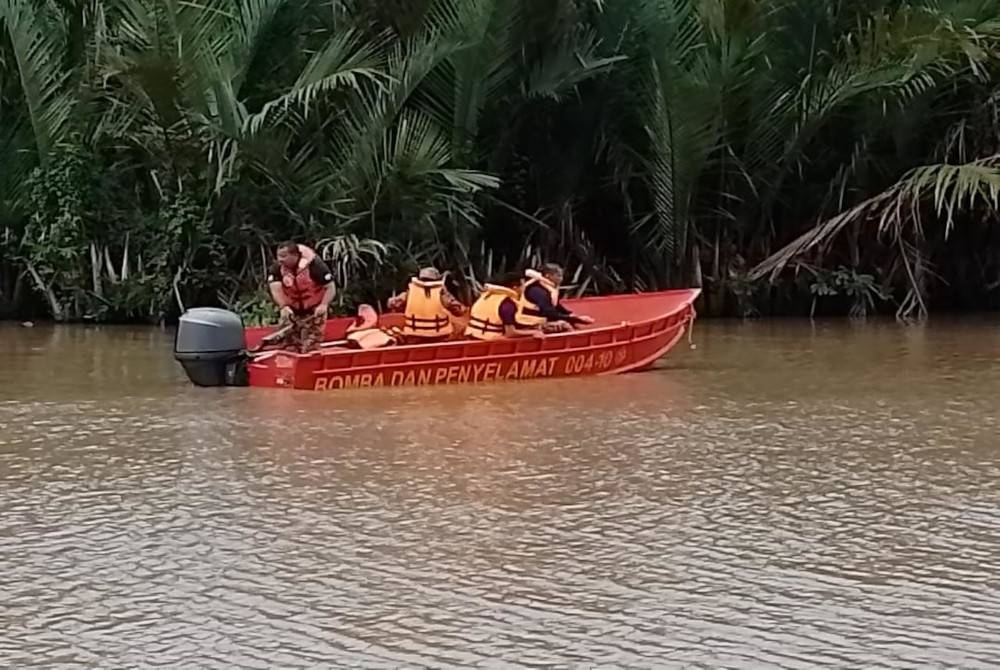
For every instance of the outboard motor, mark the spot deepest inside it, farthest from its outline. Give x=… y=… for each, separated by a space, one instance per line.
x=210 y=347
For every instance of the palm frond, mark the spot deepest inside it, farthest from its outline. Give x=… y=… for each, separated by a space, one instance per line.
x=946 y=187
x=346 y=62
x=348 y=255
x=567 y=64
x=43 y=80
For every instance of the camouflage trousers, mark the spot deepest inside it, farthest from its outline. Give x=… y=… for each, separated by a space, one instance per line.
x=305 y=334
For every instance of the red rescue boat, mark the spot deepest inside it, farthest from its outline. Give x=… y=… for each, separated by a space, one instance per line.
x=631 y=332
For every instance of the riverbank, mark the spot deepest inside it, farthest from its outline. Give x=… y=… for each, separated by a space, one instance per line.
x=846 y=150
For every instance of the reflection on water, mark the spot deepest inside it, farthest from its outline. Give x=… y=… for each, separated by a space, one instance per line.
x=784 y=496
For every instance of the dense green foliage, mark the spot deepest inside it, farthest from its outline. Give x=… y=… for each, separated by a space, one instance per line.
x=788 y=155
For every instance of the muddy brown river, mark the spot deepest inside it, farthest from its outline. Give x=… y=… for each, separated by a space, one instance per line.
x=787 y=495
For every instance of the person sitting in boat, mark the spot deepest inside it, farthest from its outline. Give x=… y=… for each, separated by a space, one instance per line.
x=540 y=305
x=427 y=308
x=302 y=287
x=496 y=313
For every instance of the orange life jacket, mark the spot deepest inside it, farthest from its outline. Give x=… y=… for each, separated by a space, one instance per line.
x=301 y=290
x=528 y=313
x=424 y=314
x=484 y=317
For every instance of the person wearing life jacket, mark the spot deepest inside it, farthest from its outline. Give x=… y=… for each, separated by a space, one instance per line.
x=302 y=287
x=496 y=315
x=539 y=304
x=427 y=308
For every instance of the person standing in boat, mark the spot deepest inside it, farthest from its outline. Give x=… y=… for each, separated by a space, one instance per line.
x=496 y=314
x=539 y=304
x=302 y=287
x=427 y=308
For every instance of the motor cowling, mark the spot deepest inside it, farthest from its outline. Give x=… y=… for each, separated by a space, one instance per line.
x=210 y=346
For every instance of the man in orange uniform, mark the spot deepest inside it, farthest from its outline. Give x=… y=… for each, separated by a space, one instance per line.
x=427 y=308
x=302 y=286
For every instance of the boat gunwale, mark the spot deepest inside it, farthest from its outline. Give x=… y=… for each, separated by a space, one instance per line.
x=686 y=305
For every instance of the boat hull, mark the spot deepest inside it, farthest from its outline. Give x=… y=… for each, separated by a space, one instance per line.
x=628 y=345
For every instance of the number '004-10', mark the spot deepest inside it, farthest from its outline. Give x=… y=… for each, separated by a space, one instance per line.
x=589 y=362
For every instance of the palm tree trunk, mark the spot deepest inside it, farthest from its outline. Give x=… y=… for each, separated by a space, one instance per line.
x=95 y=270
x=55 y=307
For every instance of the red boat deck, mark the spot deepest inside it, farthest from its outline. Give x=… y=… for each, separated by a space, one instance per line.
x=630 y=332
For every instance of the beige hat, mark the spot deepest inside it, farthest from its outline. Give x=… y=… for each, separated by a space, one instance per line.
x=429 y=274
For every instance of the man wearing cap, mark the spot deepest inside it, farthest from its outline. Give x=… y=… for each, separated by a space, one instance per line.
x=427 y=308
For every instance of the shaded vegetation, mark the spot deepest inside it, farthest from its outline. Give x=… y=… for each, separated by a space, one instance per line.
x=790 y=156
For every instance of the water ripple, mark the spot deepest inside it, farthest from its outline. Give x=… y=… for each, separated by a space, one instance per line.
x=727 y=511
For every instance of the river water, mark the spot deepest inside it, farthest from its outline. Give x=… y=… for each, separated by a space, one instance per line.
x=787 y=495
